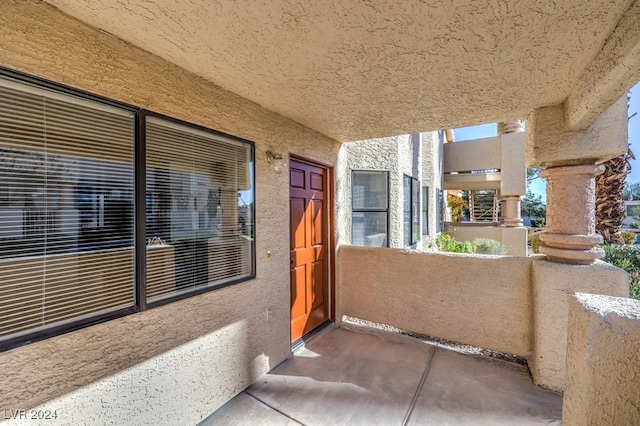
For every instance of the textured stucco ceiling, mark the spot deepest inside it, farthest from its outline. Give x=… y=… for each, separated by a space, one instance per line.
x=361 y=69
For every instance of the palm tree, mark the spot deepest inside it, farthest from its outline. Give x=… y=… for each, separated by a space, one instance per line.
x=610 y=210
x=610 y=188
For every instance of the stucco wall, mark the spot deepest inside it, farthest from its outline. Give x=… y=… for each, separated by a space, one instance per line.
x=479 y=300
x=512 y=161
x=603 y=362
x=553 y=284
x=177 y=363
x=550 y=143
x=516 y=305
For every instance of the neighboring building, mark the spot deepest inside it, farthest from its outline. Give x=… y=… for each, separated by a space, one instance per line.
x=136 y=285
x=493 y=172
x=393 y=187
x=632 y=208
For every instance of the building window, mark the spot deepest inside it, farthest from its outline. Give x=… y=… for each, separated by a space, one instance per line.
x=195 y=212
x=66 y=203
x=425 y=210
x=370 y=208
x=411 y=210
x=440 y=211
x=69 y=202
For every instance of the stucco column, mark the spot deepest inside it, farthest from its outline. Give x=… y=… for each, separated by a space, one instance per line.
x=510 y=204
x=570 y=235
x=511 y=211
x=515 y=126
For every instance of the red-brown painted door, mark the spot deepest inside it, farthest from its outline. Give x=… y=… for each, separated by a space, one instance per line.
x=308 y=198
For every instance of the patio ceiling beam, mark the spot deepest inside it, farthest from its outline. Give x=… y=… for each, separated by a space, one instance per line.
x=614 y=70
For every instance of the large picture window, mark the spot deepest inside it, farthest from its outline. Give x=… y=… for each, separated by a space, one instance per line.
x=199 y=223
x=370 y=208
x=66 y=203
x=70 y=206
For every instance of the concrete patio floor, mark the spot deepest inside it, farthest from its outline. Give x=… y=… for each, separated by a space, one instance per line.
x=353 y=376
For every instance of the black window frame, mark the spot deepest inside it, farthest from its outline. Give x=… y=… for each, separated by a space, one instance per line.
x=140 y=241
x=371 y=209
x=440 y=211
x=415 y=232
x=425 y=210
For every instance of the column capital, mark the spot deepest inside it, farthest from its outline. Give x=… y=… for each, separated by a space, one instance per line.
x=589 y=170
x=513 y=126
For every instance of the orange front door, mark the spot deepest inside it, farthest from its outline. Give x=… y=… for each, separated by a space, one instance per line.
x=308 y=200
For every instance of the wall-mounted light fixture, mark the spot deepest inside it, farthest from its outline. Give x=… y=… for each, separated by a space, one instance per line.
x=276 y=161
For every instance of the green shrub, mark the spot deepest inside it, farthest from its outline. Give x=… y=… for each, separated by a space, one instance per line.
x=534 y=241
x=634 y=225
x=457 y=206
x=628 y=258
x=445 y=242
x=629 y=237
x=538 y=222
x=489 y=246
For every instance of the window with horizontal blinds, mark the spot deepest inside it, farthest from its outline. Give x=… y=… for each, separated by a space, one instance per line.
x=199 y=209
x=69 y=204
x=370 y=208
x=66 y=208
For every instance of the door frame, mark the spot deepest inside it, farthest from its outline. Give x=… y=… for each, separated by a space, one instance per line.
x=331 y=241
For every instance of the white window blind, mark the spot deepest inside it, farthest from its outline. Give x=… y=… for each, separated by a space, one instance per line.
x=66 y=208
x=198 y=224
x=370 y=203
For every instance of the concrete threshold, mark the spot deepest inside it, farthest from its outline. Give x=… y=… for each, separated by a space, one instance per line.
x=360 y=376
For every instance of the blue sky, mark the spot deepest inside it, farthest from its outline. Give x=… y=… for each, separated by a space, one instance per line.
x=538 y=186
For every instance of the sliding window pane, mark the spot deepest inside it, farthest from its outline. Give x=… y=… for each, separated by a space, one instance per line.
x=66 y=208
x=415 y=211
x=369 y=229
x=199 y=208
x=406 y=210
x=425 y=210
x=369 y=190
x=370 y=201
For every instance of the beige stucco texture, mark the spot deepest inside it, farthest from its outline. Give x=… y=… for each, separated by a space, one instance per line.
x=553 y=284
x=551 y=143
x=603 y=362
x=487 y=303
x=504 y=153
x=517 y=305
x=608 y=76
x=350 y=69
x=177 y=363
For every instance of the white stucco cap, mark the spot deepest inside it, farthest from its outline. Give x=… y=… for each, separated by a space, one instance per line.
x=608 y=305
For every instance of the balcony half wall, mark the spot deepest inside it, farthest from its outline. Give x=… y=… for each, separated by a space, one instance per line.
x=488 y=163
x=516 y=305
